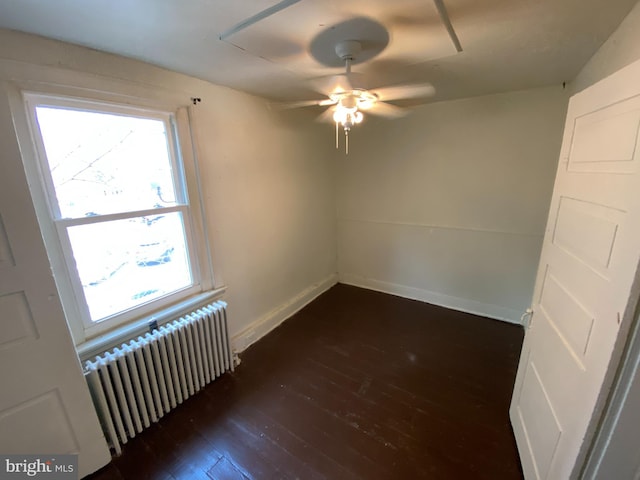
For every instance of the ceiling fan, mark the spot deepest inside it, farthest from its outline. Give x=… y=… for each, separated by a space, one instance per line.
x=347 y=101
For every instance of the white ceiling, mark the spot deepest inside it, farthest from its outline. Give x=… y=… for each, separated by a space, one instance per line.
x=507 y=44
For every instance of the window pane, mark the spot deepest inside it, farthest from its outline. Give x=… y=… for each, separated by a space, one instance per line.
x=125 y=263
x=105 y=163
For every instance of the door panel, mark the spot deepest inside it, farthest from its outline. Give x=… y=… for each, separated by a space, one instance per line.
x=587 y=266
x=46 y=410
x=22 y=328
x=567 y=314
x=45 y=406
x=6 y=257
x=587 y=231
x=544 y=434
x=604 y=141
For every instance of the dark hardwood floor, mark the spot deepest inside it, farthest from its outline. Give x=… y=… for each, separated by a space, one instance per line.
x=357 y=385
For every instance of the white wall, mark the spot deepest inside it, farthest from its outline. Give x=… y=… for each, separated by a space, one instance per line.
x=269 y=187
x=620 y=49
x=267 y=181
x=449 y=204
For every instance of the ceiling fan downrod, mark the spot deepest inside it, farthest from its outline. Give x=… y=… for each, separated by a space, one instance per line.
x=347 y=113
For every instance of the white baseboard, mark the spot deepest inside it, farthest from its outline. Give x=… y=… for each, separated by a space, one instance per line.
x=495 y=312
x=263 y=325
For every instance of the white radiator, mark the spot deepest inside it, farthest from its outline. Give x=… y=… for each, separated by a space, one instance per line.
x=139 y=382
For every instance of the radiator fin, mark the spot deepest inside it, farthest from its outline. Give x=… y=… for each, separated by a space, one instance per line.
x=134 y=385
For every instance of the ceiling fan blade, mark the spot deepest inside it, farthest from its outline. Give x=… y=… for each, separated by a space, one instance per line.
x=303 y=103
x=387 y=110
x=341 y=82
x=326 y=116
x=399 y=92
x=331 y=84
x=446 y=21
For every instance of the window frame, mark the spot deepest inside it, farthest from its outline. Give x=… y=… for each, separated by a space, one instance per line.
x=188 y=195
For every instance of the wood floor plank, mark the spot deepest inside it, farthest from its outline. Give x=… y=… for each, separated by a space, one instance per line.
x=185 y=453
x=357 y=385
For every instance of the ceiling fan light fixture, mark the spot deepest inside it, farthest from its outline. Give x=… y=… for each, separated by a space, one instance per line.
x=348 y=98
x=346 y=117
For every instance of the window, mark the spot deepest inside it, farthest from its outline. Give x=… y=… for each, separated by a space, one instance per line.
x=116 y=191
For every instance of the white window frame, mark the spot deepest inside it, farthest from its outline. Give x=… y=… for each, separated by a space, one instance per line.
x=176 y=119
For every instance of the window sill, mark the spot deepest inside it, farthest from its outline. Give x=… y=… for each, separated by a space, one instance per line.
x=120 y=335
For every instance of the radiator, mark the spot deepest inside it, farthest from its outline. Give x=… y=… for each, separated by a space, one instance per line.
x=137 y=383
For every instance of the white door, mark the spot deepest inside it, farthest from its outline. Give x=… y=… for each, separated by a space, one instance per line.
x=45 y=406
x=588 y=264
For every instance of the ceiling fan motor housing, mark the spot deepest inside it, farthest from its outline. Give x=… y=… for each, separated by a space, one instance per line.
x=348 y=49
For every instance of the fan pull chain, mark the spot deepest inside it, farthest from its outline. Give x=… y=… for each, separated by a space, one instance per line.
x=337 y=136
x=346 y=140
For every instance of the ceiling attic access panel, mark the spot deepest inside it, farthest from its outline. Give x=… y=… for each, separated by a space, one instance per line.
x=415 y=33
